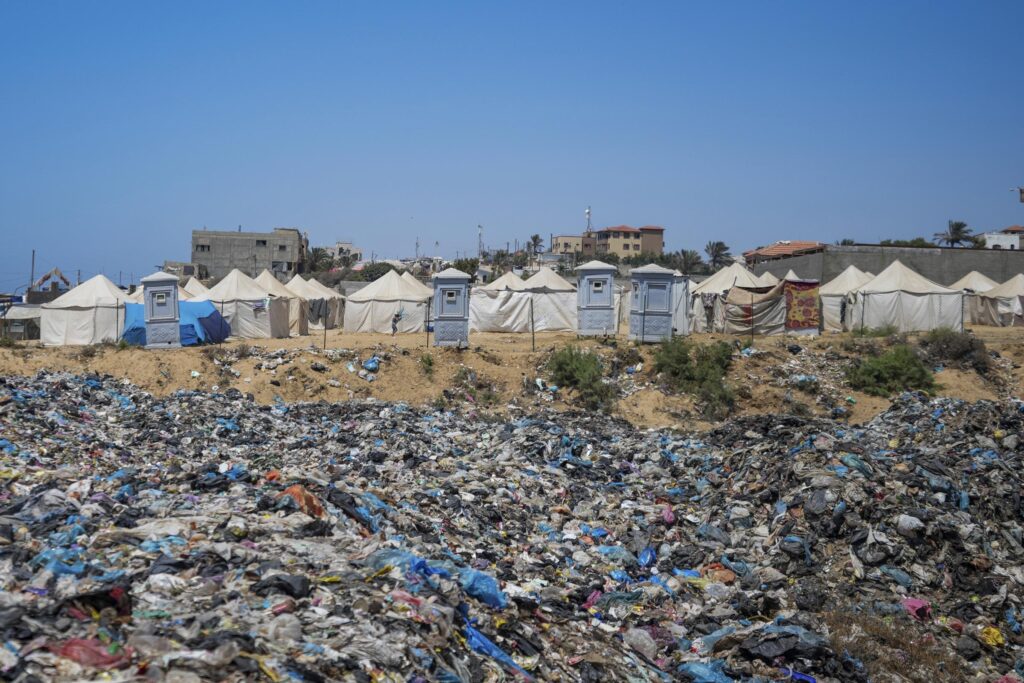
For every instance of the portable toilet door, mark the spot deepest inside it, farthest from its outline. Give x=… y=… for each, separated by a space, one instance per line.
x=650 y=307
x=160 y=298
x=680 y=304
x=451 y=308
x=595 y=299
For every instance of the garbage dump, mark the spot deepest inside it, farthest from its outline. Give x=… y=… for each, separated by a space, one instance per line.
x=204 y=536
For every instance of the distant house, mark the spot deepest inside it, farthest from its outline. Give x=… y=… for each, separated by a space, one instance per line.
x=1007 y=238
x=625 y=241
x=281 y=251
x=780 y=250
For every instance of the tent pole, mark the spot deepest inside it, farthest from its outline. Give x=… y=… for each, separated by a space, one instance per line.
x=533 y=327
x=751 y=320
x=426 y=324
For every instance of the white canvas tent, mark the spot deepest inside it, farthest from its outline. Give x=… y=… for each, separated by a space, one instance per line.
x=707 y=298
x=509 y=281
x=251 y=311
x=833 y=297
x=767 y=279
x=194 y=287
x=372 y=307
x=903 y=299
x=91 y=313
x=334 y=301
x=974 y=282
x=320 y=309
x=298 y=309
x=790 y=276
x=552 y=298
x=411 y=279
x=1000 y=306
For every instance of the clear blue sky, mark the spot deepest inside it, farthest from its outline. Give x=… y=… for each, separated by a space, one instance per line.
x=128 y=124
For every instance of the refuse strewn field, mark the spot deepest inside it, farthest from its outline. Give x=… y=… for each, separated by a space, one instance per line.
x=208 y=536
x=500 y=370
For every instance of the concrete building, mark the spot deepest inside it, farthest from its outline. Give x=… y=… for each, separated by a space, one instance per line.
x=1009 y=238
x=943 y=265
x=584 y=245
x=184 y=270
x=342 y=249
x=281 y=251
x=625 y=241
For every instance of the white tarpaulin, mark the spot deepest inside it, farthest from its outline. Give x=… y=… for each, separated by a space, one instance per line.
x=833 y=297
x=509 y=281
x=767 y=279
x=324 y=305
x=750 y=312
x=974 y=282
x=91 y=313
x=898 y=297
x=707 y=298
x=1000 y=306
x=372 y=307
x=194 y=287
x=508 y=310
x=424 y=289
x=251 y=311
x=298 y=320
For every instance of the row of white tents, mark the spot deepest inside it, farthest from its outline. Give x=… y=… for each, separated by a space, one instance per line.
x=94 y=311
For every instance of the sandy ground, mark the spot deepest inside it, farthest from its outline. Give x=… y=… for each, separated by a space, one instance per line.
x=502 y=363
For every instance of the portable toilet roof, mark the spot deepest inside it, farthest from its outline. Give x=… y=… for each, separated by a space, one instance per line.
x=450 y=274
x=546 y=279
x=194 y=287
x=844 y=283
x=509 y=281
x=898 y=278
x=96 y=291
x=595 y=265
x=1013 y=287
x=734 y=275
x=652 y=269
x=411 y=279
x=267 y=281
x=974 y=281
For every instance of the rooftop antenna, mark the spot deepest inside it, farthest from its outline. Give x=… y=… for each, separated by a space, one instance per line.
x=587 y=214
x=417 y=248
x=480 y=242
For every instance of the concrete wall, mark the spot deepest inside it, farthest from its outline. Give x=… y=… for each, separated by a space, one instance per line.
x=942 y=265
x=246 y=251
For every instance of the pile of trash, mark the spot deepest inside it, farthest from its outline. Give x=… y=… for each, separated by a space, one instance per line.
x=203 y=536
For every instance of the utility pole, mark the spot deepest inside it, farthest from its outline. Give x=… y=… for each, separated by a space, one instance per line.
x=417 y=248
x=479 y=243
x=32 y=273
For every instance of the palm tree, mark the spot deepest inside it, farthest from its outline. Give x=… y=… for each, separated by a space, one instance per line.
x=690 y=260
x=536 y=244
x=320 y=259
x=718 y=254
x=956 y=233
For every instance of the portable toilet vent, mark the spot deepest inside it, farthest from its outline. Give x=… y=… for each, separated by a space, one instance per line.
x=650 y=303
x=160 y=297
x=595 y=299
x=451 y=308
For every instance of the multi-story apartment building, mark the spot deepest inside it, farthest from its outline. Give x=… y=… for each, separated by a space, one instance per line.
x=281 y=251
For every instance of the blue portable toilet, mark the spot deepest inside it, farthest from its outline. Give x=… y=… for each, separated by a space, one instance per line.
x=595 y=299
x=160 y=298
x=451 y=308
x=650 y=303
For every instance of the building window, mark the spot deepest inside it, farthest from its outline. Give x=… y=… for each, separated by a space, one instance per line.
x=1013 y=246
x=261 y=243
x=202 y=247
x=597 y=286
x=282 y=247
x=625 y=247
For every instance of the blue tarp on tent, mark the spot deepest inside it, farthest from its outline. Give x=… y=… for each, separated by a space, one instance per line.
x=200 y=323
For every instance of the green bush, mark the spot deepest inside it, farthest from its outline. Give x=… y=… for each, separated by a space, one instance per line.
x=582 y=371
x=699 y=370
x=944 y=344
x=7 y=343
x=427 y=364
x=896 y=370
